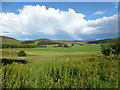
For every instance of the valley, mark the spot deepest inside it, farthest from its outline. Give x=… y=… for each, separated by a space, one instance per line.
x=57 y=65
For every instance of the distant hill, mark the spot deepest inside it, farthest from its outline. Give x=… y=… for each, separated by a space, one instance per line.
x=56 y=41
x=63 y=41
x=45 y=42
x=97 y=41
x=9 y=40
x=37 y=40
x=113 y=40
x=5 y=37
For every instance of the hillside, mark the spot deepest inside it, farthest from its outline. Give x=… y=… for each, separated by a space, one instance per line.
x=66 y=41
x=55 y=41
x=8 y=40
x=37 y=40
x=113 y=40
x=97 y=41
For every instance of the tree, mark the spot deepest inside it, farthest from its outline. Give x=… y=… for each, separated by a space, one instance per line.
x=27 y=42
x=65 y=45
x=111 y=49
x=60 y=45
x=22 y=53
x=72 y=44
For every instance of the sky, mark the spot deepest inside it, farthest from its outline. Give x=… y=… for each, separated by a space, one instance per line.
x=59 y=20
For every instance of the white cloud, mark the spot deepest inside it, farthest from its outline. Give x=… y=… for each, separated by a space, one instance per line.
x=116 y=5
x=35 y=22
x=99 y=13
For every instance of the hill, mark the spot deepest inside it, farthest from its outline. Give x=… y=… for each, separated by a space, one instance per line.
x=37 y=40
x=113 y=40
x=8 y=40
x=66 y=41
x=55 y=41
x=97 y=41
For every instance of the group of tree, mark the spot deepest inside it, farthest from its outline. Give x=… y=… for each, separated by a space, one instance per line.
x=47 y=43
x=63 y=45
x=66 y=45
x=20 y=46
x=111 y=49
x=17 y=46
x=27 y=42
x=73 y=44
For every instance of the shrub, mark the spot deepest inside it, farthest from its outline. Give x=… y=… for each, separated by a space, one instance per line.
x=72 y=44
x=22 y=53
x=116 y=48
x=65 y=45
x=111 y=49
x=60 y=45
x=106 y=51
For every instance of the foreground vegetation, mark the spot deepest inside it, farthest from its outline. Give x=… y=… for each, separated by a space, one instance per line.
x=64 y=72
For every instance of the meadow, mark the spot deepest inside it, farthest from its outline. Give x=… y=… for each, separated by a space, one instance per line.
x=59 y=67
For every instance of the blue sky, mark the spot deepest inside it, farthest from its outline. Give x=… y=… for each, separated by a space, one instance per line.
x=87 y=8
x=73 y=20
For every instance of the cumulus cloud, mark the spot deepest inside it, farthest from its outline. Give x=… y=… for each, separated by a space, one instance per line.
x=99 y=13
x=35 y=22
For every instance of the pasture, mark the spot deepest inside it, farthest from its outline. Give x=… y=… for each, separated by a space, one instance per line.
x=55 y=51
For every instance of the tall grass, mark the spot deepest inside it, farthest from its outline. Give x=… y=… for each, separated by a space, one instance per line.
x=94 y=72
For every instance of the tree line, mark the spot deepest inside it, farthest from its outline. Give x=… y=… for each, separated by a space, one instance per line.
x=19 y=46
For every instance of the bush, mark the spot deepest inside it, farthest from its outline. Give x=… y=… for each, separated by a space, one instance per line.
x=65 y=45
x=60 y=45
x=116 y=48
x=72 y=44
x=106 y=51
x=21 y=53
x=111 y=49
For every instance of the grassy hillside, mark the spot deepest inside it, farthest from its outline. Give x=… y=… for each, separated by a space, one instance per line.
x=12 y=41
x=9 y=40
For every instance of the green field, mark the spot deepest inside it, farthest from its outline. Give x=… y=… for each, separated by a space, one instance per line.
x=59 y=67
x=54 y=51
